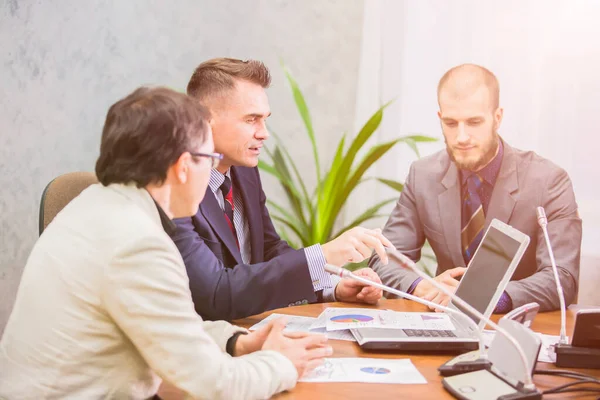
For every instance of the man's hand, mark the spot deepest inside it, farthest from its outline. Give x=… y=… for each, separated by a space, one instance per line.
x=305 y=350
x=356 y=245
x=253 y=341
x=354 y=291
x=448 y=279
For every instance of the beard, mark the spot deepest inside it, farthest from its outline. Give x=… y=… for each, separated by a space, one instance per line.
x=486 y=151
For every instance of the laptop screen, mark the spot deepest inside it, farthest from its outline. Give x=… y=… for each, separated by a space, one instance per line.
x=486 y=270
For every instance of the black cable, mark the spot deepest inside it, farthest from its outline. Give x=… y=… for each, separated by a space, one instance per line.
x=580 y=377
x=568 y=386
x=574 y=390
x=561 y=372
x=565 y=373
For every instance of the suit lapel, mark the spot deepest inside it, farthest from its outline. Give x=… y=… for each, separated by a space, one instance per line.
x=214 y=215
x=450 y=200
x=502 y=201
x=246 y=187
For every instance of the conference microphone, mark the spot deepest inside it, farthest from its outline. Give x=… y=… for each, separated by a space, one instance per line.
x=543 y=223
x=566 y=355
x=344 y=273
x=483 y=382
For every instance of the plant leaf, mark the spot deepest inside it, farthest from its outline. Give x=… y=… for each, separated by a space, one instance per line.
x=337 y=180
x=285 y=236
x=305 y=114
x=269 y=169
x=374 y=154
x=306 y=198
x=289 y=188
x=300 y=227
x=330 y=179
x=328 y=191
x=370 y=213
x=291 y=226
x=422 y=138
x=396 y=185
x=413 y=145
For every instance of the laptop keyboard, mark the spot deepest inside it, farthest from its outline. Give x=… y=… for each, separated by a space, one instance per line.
x=424 y=333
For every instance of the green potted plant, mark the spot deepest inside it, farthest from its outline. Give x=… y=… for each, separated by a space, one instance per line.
x=310 y=216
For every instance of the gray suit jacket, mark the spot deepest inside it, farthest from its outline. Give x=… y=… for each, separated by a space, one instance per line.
x=429 y=208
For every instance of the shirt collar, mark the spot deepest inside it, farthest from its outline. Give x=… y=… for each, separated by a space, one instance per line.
x=217 y=179
x=490 y=172
x=166 y=222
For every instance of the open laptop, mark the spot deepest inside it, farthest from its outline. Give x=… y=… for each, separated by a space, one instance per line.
x=487 y=275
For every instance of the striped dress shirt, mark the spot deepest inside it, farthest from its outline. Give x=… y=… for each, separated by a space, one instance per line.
x=315 y=258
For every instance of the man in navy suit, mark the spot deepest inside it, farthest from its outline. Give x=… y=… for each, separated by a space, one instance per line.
x=237 y=264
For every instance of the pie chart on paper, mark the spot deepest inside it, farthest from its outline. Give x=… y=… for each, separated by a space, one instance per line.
x=350 y=318
x=375 y=370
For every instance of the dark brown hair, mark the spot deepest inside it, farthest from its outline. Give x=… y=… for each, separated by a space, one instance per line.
x=146 y=132
x=216 y=76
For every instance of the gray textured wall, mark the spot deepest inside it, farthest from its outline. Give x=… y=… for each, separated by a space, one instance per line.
x=63 y=62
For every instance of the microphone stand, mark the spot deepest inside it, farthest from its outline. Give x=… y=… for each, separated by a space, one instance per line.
x=566 y=354
x=407 y=263
x=543 y=222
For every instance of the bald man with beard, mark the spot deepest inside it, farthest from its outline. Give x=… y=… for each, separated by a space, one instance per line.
x=451 y=197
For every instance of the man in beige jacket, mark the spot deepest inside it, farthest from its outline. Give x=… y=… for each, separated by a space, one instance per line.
x=104 y=308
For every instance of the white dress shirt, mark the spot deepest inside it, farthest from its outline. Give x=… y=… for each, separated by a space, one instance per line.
x=314 y=254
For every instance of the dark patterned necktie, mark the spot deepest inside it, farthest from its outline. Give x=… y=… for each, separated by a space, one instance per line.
x=227 y=190
x=473 y=218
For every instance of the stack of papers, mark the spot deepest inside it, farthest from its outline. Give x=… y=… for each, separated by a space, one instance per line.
x=367 y=370
x=305 y=324
x=337 y=322
x=351 y=318
x=547 y=352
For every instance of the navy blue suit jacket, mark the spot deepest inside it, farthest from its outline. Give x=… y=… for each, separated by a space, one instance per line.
x=223 y=287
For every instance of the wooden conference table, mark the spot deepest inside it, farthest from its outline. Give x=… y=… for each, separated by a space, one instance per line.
x=426 y=364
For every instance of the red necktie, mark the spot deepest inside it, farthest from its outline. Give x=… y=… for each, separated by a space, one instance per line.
x=227 y=190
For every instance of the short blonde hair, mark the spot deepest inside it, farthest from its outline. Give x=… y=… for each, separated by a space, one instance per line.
x=471 y=76
x=216 y=76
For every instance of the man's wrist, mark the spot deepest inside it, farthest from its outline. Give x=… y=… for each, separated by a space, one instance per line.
x=331 y=293
x=335 y=292
x=413 y=286
x=234 y=347
x=316 y=261
x=504 y=304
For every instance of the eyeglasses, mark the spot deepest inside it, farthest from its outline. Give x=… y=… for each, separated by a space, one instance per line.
x=215 y=158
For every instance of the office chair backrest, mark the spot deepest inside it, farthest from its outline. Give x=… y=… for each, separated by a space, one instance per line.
x=60 y=191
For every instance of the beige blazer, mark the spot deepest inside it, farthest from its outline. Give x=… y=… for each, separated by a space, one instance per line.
x=430 y=208
x=104 y=310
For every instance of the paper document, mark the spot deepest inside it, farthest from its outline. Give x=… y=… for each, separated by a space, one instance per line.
x=297 y=323
x=336 y=335
x=416 y=320
x=337 y=322
x=294 y=323
x=336 y=319
x=367 y=370
x=547 y=353
x=488 y=336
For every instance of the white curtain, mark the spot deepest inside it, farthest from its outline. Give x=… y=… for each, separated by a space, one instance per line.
x=546 y=55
